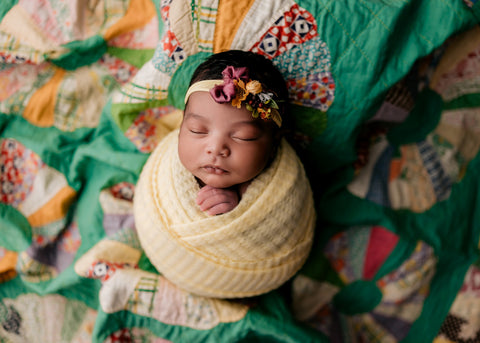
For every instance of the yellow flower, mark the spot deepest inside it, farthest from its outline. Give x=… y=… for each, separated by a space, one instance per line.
x=254 y=87
x=242 y=93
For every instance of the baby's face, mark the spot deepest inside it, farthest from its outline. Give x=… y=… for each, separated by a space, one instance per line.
x=222 y=145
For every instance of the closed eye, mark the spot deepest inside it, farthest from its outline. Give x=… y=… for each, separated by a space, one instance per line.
x=247 y=135
x=198 y=132
x=246 y=139
x=247 y=132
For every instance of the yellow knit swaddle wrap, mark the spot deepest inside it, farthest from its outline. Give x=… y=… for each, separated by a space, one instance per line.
x=250 y=250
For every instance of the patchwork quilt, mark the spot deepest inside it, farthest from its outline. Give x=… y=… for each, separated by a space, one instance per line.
x=385 y=97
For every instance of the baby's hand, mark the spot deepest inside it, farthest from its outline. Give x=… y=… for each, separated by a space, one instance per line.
x=217 y=200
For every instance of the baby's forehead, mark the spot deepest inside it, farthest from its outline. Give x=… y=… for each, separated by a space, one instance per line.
x=206 y=118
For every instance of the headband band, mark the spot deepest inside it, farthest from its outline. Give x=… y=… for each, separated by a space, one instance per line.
x=237 y=89
x=202 y=86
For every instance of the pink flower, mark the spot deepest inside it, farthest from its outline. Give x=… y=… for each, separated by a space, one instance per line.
x=231 y=73
x=228 y=91
x=223 y=93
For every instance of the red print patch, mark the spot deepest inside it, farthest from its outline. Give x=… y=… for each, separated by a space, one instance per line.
x=293 y=28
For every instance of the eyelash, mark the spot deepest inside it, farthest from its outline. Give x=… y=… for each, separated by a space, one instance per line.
x=242 y=139
x=246 y=139
x=198 y=132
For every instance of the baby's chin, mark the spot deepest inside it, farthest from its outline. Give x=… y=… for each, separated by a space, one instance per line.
x=215 y=182
x=218 y=184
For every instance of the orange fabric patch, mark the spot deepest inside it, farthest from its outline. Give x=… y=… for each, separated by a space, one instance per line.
x=229 y=18
x=138 y=14
x=7 y=266
x=396 y=166
x=40 y=109
x=55 y=209
x=8 y=261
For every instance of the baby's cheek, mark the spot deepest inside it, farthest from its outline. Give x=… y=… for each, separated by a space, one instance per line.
x=186 y=156
x=257 y=164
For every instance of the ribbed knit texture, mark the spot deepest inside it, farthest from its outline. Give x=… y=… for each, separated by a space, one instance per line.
x=250 y=250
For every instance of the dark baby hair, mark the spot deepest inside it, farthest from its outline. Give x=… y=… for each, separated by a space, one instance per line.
x=259 y=68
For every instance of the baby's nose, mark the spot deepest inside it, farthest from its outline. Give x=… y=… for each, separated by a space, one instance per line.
x=218 y=148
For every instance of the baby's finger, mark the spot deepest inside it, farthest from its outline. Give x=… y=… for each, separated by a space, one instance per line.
x=220 y=209
x=216 y=193
x=205 y=193
x=216 y=199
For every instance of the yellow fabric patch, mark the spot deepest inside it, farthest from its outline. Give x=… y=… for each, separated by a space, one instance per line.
x=55 y=209
x=7 y=266
x=138 y=14
x=8 y=261
x=229 y=18
x=40 y=109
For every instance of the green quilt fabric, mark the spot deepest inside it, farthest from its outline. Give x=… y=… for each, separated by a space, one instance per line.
x=385 y=96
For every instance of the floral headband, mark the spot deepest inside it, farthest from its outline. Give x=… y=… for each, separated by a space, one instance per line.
x=238 y=89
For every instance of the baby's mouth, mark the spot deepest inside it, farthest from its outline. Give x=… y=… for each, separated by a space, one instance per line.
x=214 y=170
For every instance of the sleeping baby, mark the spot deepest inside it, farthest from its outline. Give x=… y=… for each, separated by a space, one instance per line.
x=223 y=207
